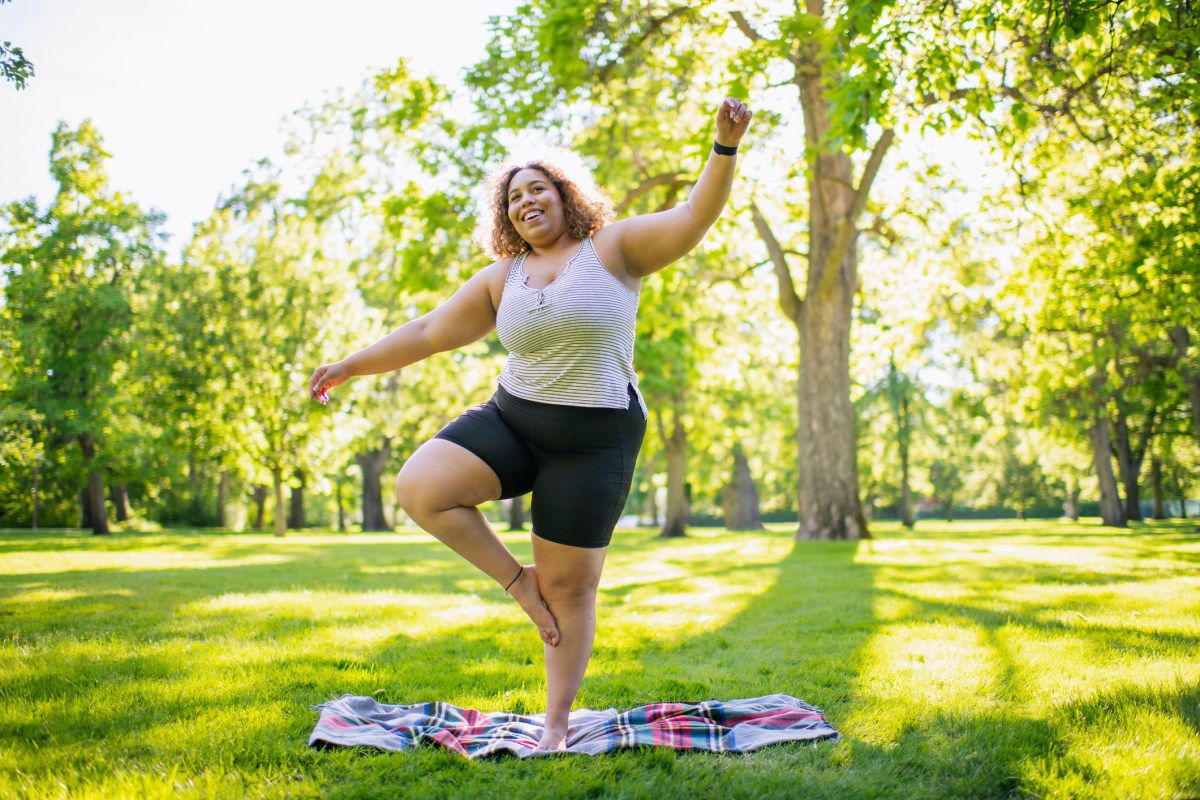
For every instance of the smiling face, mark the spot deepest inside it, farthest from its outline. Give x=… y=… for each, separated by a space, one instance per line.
x=535 y=207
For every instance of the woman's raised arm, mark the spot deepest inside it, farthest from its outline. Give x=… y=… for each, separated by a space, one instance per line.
x=652 y=241
x=468 y=316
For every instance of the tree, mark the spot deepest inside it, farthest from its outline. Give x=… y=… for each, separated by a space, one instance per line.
x=1100 y=131
x=740 y=496
x=70 y=274
x=279 y=280
x=187 y=321
x=901 y=392
x=1021 y=484
x=947 y=483
x=858 y=73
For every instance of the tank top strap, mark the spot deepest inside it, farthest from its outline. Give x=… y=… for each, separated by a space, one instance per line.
x=514 y=269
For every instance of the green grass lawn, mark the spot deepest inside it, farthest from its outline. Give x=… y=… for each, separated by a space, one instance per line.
x=966 y=660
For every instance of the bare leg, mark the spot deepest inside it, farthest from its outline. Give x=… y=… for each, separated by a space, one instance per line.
x=569 y=577
x=440 y=487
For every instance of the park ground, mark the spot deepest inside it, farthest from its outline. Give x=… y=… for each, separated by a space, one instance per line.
x=984 y=659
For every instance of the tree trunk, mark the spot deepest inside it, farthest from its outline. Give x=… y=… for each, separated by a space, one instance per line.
x=1111 y=512
x=1189 y=371
x=828 y=466
x=296 y=513
x=1071 y=507
x=1179 y=493
x=676 y=447
x=1160 y=511
x=195 y=490
x=120 y=500
x=1129 y=466
x=516 y=514
x=222 y=497
x=280 y=513
x=828 y=498
x=372 y=463
x=85 y=519
x=193 y=474
x=341 y=506
x=651 y=510
x=37 y=464
x=907 y=518
x=740 y=496
x=94 y=503
x=260 y=504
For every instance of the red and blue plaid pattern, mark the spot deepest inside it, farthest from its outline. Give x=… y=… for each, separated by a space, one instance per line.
x=737 y=726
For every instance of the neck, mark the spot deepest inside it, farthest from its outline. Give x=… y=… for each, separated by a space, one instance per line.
x=563 y=244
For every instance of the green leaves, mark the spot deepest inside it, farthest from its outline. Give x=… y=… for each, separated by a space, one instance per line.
x=14 y=66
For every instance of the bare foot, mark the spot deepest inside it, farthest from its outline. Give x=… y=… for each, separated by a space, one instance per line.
x=553 y=739
x=527 y=593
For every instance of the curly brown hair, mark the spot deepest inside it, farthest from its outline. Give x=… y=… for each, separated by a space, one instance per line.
x=586 y=206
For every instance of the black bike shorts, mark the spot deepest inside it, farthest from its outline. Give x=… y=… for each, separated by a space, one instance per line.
x=577 y=461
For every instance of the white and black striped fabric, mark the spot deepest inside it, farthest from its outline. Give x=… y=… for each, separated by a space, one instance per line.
x=570 y=343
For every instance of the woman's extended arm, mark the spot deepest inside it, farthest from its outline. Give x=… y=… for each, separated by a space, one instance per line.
x=652 y=241
x=466 y=317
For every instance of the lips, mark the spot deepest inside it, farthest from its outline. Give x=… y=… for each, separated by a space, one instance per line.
x=530 y=216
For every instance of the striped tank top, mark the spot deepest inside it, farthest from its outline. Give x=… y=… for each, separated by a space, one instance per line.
x=570 y=343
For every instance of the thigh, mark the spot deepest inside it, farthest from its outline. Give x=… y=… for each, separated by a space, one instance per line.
x=483 y=432
x=442 y=474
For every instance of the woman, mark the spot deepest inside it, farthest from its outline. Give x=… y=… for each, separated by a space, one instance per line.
x=567 y=420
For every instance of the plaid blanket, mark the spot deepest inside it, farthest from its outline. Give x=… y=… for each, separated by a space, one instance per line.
x=737 y=726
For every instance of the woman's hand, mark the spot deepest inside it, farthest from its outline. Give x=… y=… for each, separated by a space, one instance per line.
x=733 y=118
x=325 y=378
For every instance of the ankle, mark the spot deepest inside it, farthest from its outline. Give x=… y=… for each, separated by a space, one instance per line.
x=516 y=579
x=556 y=724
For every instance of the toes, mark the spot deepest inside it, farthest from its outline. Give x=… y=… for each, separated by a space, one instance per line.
x=549 y=633
x=554 y=742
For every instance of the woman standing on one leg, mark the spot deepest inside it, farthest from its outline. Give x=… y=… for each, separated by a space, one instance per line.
x=567 y=421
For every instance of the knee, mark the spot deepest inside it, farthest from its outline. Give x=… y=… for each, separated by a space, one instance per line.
x=569 y=589
x=411 y=492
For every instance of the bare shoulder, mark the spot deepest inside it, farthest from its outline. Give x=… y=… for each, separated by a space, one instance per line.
x=493 y=277
x=608 y=243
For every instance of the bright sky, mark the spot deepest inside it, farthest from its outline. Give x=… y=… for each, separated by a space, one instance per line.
x=188 y=94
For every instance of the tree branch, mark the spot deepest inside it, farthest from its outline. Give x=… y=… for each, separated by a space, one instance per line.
x=872 y=169
x=744 y=26
x=658 y=422
x=848 y=225
x=665 y=178
x=1148 y=432
x=789 y=301
x=633 y=43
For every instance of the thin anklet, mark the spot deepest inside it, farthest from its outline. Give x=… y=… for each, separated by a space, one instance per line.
x=520 y=572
